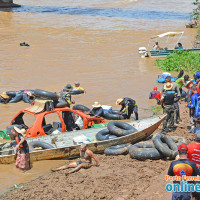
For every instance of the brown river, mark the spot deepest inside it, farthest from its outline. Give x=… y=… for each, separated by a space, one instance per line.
x=93 y=42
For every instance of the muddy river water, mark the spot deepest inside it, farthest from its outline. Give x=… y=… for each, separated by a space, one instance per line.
x=93 y=42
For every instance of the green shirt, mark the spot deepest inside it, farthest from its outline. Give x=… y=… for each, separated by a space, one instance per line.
x=179 y=82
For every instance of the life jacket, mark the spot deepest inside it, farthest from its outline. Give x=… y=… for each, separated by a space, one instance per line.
x=154 y=94
x=169 y=98
x=17 y=140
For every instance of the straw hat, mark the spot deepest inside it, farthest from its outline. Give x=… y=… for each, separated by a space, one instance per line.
x=22 y=131
x=119 y=101
x=4 y=95
x=96 y=104
x=188 y=84
x=168 y=86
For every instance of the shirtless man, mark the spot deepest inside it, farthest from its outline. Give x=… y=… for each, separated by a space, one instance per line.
x=85 y=162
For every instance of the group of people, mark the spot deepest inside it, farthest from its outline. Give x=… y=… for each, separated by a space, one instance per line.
x=170 y=96
x=156 y=46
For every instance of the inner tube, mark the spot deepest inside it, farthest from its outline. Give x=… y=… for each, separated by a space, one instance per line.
x=144 y=151
x=60 y=103
x=170 y=150
x=41 y=144
x=104 y=135
x=121 y=149
x=120 y=128
x=11 y=93
x=17 y=98
x=113 y=115
x=179 y=140
x=46 y=94
x=25 y=98
x=75 y=92
x=81 y=107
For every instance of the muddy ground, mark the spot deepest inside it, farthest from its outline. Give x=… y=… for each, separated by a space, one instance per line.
x=118 y=178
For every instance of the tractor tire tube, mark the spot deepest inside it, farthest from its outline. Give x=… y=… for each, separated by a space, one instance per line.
x=60 y=103
x=121 y=149
x=17 y=98
x=170 y=150
x=75 y=92
x=81 y=107
x=25 y=98
x=144 y=153
x=46 y=94
x=179 y=140
x=11 y=93
x=41 y=144
x=112 y=115
x=104 y=135
x=120 y=128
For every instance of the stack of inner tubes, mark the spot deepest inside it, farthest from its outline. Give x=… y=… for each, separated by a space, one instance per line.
x=76 y=92
x=114 y=130
x=161 y=146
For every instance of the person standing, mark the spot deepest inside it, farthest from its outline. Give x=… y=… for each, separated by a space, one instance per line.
x=194 y=105
x=78 y=87
x=167 y=102
x=128 y=107
x=181 y=82
x=182 y=167
x=65 y=94
x=153 y=93
x=175 y=88
x=22 y=149
x=194 y=150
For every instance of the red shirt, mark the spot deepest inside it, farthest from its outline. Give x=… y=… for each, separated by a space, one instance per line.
x=198 y=89
x=194 y=153
x=158 y=96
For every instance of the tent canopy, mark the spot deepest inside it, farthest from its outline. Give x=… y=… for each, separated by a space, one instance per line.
x=169 y=34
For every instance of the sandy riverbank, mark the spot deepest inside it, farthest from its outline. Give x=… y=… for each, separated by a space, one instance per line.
x=119 y=178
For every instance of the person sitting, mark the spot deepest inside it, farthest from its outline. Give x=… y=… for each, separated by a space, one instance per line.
x=4 y=98
x=179 y=46
x=156 y=47
x=128 y=107
x=85 y=162
x=77 y=86
x=97 y=110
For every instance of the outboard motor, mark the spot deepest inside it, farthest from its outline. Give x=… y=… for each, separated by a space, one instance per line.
x=143 y=52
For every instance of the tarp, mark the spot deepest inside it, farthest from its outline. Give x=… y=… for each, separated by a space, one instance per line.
x=169 y=34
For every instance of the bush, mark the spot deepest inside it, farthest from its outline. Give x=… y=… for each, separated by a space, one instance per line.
x=180 y=60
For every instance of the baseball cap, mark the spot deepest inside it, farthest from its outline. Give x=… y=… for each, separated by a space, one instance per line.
x=155 y=88
x=182 y=147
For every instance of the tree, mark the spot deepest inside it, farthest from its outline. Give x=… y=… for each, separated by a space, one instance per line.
x=196 y=10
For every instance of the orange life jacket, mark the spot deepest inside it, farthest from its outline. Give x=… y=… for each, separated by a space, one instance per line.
x=17 y=140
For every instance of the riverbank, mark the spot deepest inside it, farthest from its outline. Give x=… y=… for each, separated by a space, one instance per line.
x=119 y=178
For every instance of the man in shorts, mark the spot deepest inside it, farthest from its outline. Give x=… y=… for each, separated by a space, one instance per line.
x=85 y=161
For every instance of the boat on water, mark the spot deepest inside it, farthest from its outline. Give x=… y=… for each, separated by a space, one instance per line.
x=161 y=77
x=65 y=145
x=171 y=41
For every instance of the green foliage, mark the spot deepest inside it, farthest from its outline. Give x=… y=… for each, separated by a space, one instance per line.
x=196 y=10
x=187 y=61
